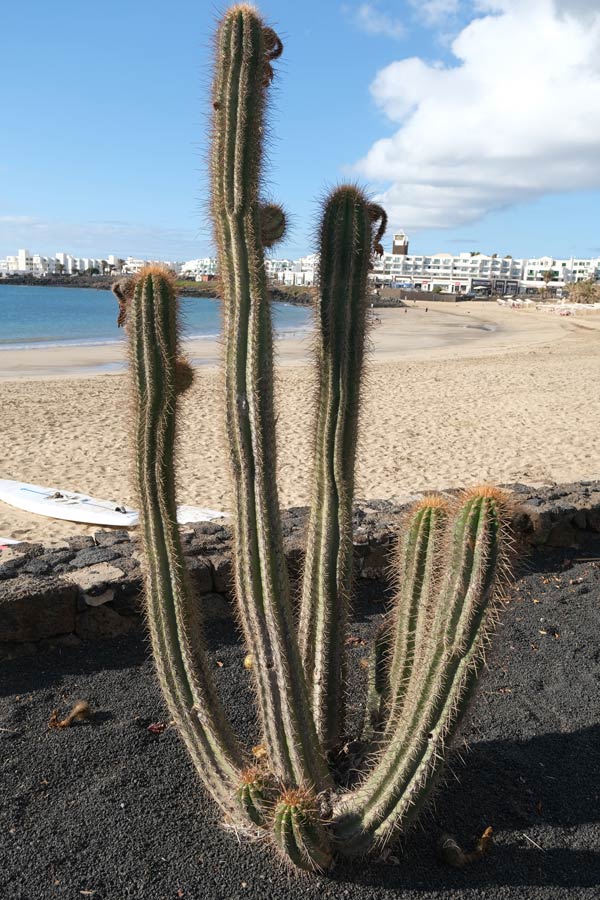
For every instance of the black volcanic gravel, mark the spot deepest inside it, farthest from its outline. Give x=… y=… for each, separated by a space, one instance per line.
x=110 y=811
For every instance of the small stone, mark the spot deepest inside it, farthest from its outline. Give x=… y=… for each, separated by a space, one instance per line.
x=30 y=610
x=222 y=576
x=11 y=568
x=99 y=599
x=81 y=542
x=93 y=557
x=127 y=565
x=95 y=577
x=37 y=567
x=111 y=538
x=205 y=528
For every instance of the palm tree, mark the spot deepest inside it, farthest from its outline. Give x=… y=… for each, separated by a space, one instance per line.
x=587 y=291
x=547 y=276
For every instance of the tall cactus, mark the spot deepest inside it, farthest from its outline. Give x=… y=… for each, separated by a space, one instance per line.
x=244 y=51
x=173 y=615
x=427 y=655
x=346 y=248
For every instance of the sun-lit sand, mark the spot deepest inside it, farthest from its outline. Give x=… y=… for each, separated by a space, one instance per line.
x=458 y=394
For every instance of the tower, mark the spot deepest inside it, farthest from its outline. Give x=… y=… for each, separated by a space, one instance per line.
x=400 y=244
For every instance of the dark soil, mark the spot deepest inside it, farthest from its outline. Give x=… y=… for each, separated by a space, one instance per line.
x=111 y=811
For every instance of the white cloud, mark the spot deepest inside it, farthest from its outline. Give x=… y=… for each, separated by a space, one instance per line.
x=96 y=238
x=370 y=19
x=432 y=12
x=17 y=221
x=517 y=117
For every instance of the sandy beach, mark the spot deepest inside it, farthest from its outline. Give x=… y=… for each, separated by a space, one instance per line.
x=455 y=395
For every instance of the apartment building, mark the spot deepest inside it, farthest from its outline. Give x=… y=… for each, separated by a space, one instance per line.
x=300 y=271
x=26 y=263
x=477 y=272
x=281 y=271
x=200 y=269
x=459 y=274
x=463 y=273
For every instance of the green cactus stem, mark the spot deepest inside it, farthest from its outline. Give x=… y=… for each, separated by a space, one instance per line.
x=346 y=247
x=173 y=616
x=442 y=678
x=244 y=52
x=255 y=795
x=299 y=834
x=419 y=561
x=416 y=570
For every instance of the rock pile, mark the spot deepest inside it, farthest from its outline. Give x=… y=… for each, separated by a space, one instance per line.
x=91 y=586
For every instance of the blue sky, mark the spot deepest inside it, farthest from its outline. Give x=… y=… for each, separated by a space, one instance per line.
x=476 y=122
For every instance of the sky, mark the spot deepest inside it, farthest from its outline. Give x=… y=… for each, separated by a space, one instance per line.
x=476 y=123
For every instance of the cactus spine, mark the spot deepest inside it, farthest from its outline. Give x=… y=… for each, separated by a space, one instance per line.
x=299 y=834
x=346 y=246
x=447 y=653
x=175 y=629
x=420 y=560
x=244 y=52
x=427 y=655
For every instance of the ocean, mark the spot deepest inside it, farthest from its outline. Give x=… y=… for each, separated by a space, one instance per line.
x=36 y=317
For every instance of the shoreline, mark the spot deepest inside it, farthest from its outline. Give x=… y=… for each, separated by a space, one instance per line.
x=395 y=335
x=446 y=403
x=295 y=295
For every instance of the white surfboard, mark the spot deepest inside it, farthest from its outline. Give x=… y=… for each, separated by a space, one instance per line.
x=75 y=507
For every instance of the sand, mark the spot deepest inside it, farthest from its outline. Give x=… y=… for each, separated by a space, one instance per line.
x=448 y=402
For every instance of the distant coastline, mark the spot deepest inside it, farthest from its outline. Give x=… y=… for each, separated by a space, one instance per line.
x=296 y=296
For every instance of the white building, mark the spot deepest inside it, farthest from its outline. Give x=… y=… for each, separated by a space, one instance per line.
x=274 y=267
x=132 y=265
x=20 y=264
x=547 y=272
x=200 y=269
x=301 y=271
x=282 y=271
x=458 y=274
x=65 y=264
x=453 y=274
x=477 y=272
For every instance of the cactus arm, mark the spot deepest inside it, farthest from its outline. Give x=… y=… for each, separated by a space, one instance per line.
x=298 y=833
x=417 y=571
x=440 y=686
x=243 y=53
x=346 y=240
x=175 y=630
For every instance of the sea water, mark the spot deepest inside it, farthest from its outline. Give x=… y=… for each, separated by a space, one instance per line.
x=37 y=317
